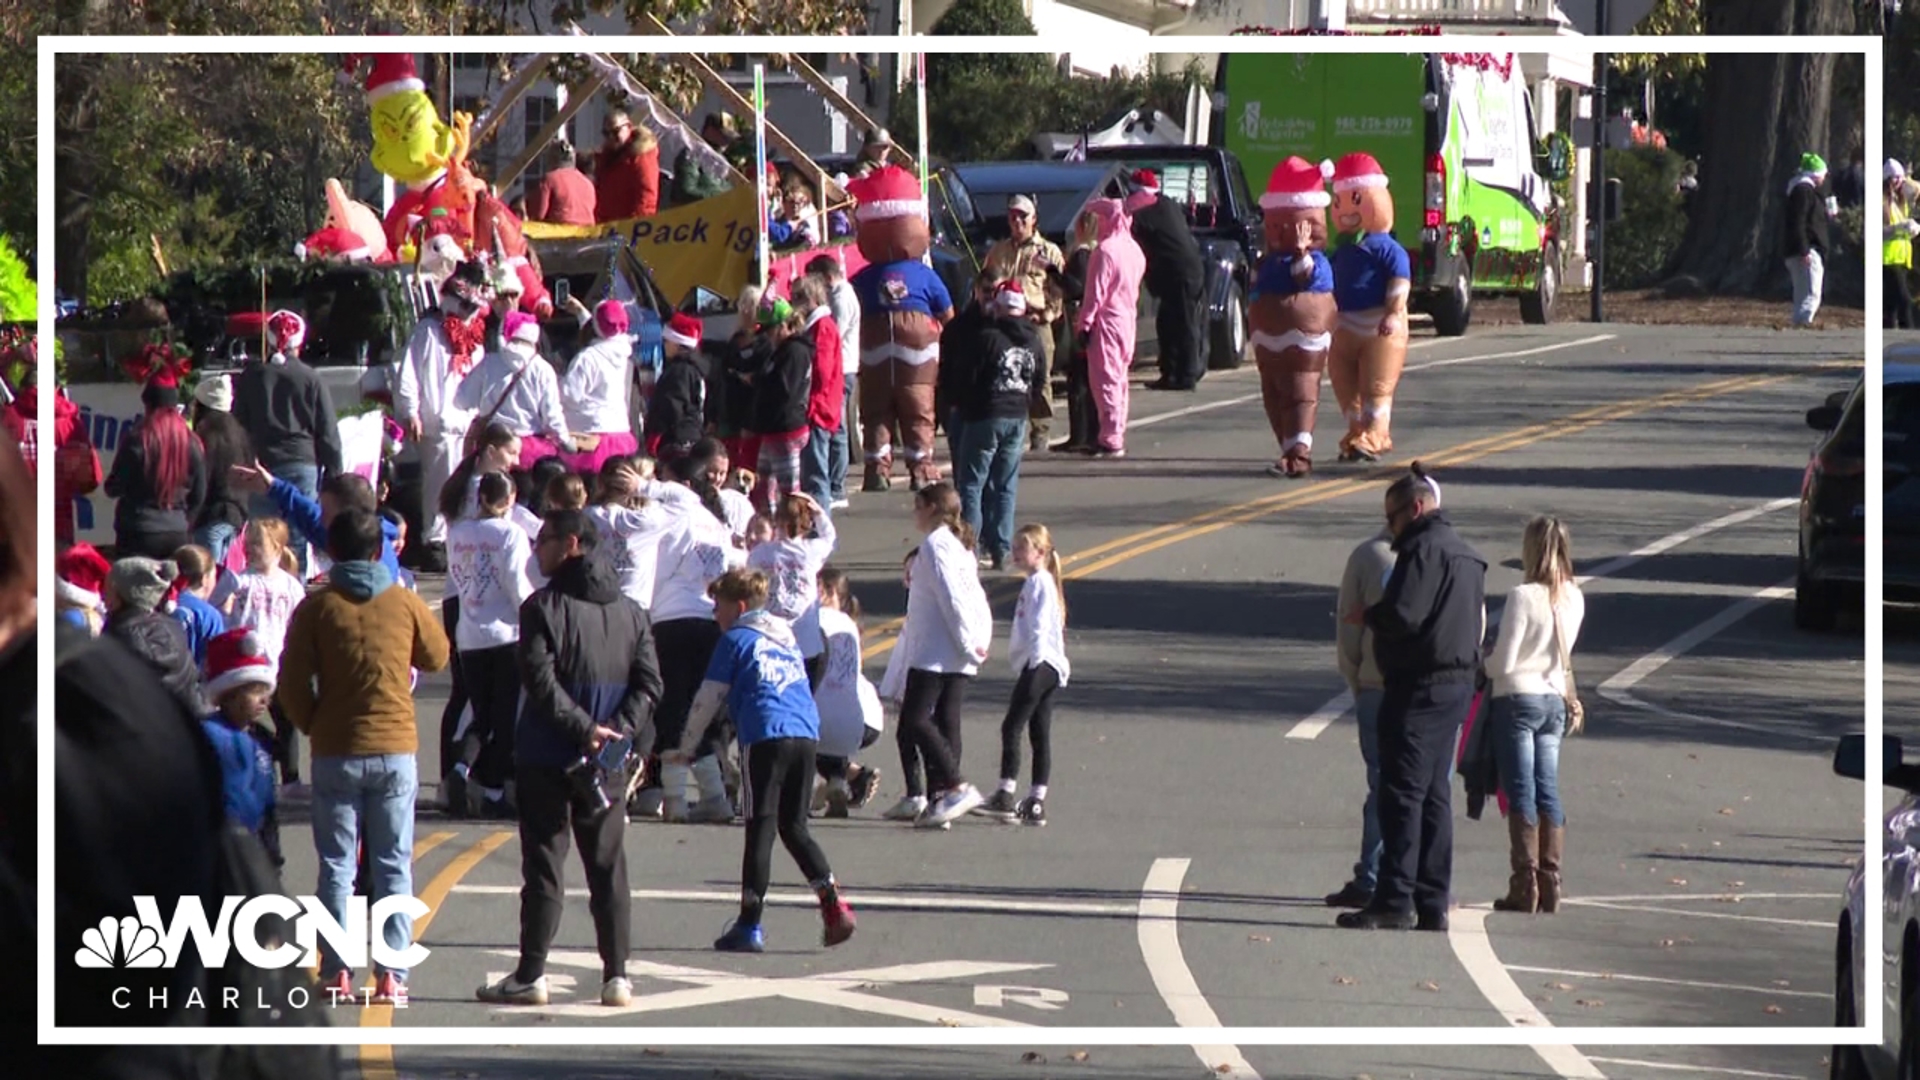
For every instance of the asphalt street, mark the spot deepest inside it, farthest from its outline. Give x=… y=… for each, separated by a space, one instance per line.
x=1208 y=783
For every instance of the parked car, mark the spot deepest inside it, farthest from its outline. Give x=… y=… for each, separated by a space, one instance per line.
x=1895 y=900
x=1832 y=554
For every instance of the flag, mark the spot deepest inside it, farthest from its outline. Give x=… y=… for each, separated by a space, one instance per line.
x=1078 y=151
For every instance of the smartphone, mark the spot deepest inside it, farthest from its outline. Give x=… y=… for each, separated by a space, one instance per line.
x=562 y=292
x=613 y=754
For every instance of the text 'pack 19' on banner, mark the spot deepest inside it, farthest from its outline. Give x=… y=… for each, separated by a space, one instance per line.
x=709 y=243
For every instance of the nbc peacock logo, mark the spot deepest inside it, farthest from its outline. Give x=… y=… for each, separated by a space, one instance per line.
x=120 y=943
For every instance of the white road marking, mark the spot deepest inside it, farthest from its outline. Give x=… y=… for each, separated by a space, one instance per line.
x=1708 y=1070
x=1716 y=898
x=1046 y=999
x=1467 y=933
x=843 y=989
x=1342 y=706
x=1159 y=931
x=1818 y=924
x=980 y=905
x=1772 y=991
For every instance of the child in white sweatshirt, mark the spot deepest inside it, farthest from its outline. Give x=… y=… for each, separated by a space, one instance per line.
x=803 y=541
x=264 y=596
x=851 y=718
x=488 y=561
x=1039 y=653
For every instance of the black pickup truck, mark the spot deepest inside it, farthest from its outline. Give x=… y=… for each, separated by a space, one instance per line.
x=1210 y=184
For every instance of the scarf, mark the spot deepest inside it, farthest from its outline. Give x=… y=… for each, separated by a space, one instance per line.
x=463 y=337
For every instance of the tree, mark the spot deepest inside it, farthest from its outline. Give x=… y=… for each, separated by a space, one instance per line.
x=1768 y=110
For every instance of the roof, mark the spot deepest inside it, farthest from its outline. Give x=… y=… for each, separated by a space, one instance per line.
x=1902 y=363
x=1006 y=177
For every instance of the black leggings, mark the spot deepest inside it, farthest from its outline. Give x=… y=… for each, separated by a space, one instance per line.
x=685 y=647
x=1898 y=299
x=493 y=677
x=778 y=791
x=1032 y=710
x=549 y=812
x=930 y=719
x=456 y=697
x=286 y=744
x=835 y=768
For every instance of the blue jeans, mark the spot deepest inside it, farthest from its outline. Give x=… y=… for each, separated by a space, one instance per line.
x=216 y=537
x=986 y=471
x=366 y=798
x=841 y=451
x=1366 y=708
x=817 y=459
x=1526 y=741
x=306 y=480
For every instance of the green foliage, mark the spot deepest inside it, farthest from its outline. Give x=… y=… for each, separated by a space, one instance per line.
x=1669 y=18
x=979 y=115
x=19 y=299
x=1642 y=243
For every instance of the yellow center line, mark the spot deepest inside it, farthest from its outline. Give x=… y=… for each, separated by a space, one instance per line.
x=1114 y=552
x=429 y=842
x=376 y=1062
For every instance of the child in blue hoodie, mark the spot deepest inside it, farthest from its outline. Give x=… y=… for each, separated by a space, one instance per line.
x=757 y=674
x=240 y=680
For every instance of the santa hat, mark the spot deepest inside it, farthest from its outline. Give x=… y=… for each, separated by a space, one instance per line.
x=83 y=567
x=392 y=73
x=235 y=659
x=521 y=327
x=286 y=331
x=682 y=330
x=1009 y=299
x=1146 y=180
x=333 y=243
x=1357 y=171
x=1297 y=184
x=887 y=192
x=215 y=392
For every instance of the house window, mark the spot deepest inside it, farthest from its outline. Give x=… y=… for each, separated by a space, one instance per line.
x=742 y=64
x=471 y=61
x=540 y=111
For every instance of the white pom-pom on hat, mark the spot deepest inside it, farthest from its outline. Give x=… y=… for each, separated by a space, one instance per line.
x=1326 y=169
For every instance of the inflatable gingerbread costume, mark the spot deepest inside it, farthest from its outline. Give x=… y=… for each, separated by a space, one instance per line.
x=1372 y=278
x=903 y=305
x=1293 y=309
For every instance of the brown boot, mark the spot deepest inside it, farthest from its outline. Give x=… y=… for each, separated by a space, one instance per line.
x=1553 y=843
x=1523 y=888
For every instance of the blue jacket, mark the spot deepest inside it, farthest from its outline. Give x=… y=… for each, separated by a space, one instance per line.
x=246 y=773
x=303 y=515
x=768 y=696
x=586 y=661
x=202 y=622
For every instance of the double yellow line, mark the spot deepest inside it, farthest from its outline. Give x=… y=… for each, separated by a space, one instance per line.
x=1114 y=552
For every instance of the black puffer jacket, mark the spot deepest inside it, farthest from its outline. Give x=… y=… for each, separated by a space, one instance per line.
x=586 y=660
x=1429 y=624
x=780 y=388
x=678 y=411
x=161 y=641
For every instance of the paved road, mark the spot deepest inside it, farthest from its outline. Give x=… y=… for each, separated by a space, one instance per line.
x=1208 y=783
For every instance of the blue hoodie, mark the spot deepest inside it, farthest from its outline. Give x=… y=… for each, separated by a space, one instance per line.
x=303 y=514
x=768 y=696
x=202 y=622
x=246 y=773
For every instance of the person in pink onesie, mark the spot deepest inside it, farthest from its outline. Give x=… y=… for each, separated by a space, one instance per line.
x=1107 y=319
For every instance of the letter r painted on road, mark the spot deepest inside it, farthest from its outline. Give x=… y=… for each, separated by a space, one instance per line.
x=1033 y=997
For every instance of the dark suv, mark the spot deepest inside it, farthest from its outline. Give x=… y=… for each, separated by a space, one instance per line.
x=1833 y=496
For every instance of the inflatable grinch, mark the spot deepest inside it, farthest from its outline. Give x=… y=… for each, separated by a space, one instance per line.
x=1372 y=278
x=903 y=305
x=1293 y=309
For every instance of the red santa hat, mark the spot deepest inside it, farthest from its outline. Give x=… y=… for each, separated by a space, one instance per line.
x=392 y=73
x=682 y=330
x=235 y=659
x=333 y=243
x=888 y=192
x=1146 y=180
x=84 y=567
x=1297 y=184
x=1357 y=171
x=1010 y=299
x=286 y=331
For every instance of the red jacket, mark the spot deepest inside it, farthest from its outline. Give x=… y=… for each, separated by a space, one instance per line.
x=76 y=465
x=564 y=197
x=826 y=397
x=626 y=185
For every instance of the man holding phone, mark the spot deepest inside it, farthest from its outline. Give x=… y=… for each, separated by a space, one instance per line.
x=591 y=681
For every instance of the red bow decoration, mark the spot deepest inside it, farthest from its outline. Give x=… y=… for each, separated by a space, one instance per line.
x=1482 y=62
x=463 y=337
x=163 y=364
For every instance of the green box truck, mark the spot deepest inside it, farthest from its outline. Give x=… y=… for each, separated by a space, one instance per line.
x=1473 y=190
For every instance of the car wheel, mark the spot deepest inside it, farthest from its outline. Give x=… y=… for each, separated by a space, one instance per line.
x=1536 y=307
x=1813 y=605
x=1227 y=344
x=1453 y=309
x=1846 y=1062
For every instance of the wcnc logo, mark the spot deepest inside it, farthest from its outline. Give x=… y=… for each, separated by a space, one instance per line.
x=146 y=940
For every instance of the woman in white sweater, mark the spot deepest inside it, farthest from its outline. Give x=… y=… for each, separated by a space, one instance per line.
x=487 y=562
x=949 y=628
x=1529 y=670
x=1039 y=653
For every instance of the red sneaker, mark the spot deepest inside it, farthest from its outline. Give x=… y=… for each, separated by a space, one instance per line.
x=838 y=917
x=389 y=990
x=339 y=990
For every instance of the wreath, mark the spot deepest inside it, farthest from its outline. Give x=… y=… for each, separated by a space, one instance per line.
x=160 y=361
x=1483 y=62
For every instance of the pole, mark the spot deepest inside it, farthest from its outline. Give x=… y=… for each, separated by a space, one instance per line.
x=920 y=92
x=760 y=167
x=1597 y=191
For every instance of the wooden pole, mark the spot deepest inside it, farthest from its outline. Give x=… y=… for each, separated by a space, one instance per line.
x=760 y=171
x=774 y=135
x=539 y=142
x=843 y=104
x=737 y=176
x=516 y=88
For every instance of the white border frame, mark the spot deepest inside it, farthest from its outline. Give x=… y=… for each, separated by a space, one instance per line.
x=1871 y=1032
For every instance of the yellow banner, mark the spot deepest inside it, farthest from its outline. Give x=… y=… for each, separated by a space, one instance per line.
x=708 y=243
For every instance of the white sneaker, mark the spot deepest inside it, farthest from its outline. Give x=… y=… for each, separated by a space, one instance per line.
x=838 y=504
x=907 y=809
x=510 y=992
x=953 y=805
x=617 y=993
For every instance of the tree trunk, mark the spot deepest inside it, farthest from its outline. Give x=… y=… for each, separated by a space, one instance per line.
x=73 y=175
x=1770 y=109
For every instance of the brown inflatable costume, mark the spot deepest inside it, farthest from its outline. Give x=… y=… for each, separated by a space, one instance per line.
x=1293 y=310
x=903 y=305
x=1372 y=278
